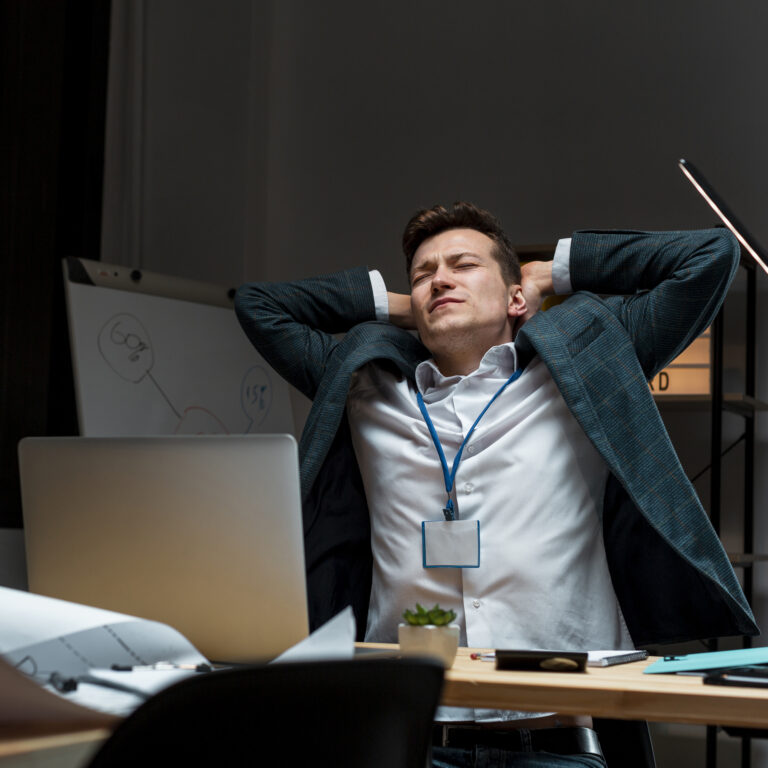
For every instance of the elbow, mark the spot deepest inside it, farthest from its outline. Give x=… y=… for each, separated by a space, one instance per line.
x=729 y=247
x=243 y=296
x=724 y=253
x=246 y=301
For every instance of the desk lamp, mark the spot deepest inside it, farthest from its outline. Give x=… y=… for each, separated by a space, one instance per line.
x=747 y=241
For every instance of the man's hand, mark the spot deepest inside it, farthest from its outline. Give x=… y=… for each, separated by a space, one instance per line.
x=400 y=311
x=537 y=285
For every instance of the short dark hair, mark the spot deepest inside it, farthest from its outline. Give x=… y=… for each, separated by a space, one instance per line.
x=432 y=221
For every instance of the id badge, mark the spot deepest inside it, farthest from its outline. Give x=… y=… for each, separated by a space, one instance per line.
x=450 y=544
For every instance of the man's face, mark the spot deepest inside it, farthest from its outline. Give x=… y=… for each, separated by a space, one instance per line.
x=459 y=299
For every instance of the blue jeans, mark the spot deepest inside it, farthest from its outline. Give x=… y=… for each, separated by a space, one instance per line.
x=492 y=757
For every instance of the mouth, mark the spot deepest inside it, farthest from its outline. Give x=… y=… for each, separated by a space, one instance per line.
x=442 y=302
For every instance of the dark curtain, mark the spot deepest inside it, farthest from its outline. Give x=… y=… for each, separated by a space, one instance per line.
x=53 y=78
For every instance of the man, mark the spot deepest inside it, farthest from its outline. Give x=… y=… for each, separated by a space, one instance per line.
x=590 y=535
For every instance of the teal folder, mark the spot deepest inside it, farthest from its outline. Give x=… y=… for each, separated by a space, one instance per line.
x=693 y=662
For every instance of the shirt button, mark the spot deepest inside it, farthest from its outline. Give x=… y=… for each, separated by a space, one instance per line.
x=476 y=603
x=470 y=449
x=468 y=487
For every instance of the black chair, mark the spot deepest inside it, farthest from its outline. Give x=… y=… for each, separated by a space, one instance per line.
x=368 y=712
x=625 y=743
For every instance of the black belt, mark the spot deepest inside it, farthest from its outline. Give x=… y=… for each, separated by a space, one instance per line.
x=560 y=741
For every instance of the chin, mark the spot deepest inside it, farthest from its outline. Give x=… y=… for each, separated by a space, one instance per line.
x=444 y=336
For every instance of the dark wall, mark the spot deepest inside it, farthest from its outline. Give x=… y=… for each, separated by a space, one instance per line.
x=53 y=75
x=555 y=115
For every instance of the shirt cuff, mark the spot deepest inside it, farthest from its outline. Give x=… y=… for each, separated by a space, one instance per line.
x=561 y=267
x=380 y=300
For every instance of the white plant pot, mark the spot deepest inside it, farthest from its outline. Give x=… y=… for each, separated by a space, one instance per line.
x=429 y=640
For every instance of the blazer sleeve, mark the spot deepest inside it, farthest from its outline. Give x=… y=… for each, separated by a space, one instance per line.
x=664 y=287
x=293 y=324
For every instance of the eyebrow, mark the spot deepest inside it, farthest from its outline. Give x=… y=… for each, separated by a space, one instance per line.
x=453 y=257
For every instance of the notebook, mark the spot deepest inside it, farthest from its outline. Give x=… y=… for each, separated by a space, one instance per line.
x=203 y=533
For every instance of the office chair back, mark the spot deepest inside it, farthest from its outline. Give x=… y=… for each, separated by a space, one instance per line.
x=626 y=743
x=368 y=712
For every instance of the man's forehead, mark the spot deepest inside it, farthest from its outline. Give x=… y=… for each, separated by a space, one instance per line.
x=452 y=242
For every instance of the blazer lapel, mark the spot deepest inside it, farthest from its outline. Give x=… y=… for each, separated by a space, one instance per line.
x=364 y=343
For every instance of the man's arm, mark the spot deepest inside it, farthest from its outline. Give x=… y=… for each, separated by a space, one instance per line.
x=664 y=287
x=292 y=325
x=537 y=284
x=670 y=284
x=400 y=311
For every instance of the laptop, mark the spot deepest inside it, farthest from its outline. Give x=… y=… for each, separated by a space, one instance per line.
x=203 y=533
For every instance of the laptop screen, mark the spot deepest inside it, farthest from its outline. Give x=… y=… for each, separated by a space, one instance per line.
x=203 y=533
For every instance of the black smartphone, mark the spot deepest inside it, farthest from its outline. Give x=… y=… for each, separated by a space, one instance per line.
x=548 y=661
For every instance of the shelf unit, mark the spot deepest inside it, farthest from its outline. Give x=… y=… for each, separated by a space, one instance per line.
x=745 y=405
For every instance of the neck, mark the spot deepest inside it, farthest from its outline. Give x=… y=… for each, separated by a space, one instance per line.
x=462 y=355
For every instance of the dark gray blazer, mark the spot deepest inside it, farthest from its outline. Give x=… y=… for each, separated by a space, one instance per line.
x=639 y=299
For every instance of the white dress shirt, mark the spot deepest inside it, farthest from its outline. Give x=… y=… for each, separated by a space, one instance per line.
x=530 y=476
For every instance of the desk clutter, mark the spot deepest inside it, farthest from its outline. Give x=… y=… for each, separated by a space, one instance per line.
x=559 y=661
x=66 y=664
x=700 y=662
x=741 y=667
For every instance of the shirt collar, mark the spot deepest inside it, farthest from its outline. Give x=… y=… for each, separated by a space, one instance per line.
x=499 y=361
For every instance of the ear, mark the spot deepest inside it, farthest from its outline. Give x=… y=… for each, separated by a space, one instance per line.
x=516 y=305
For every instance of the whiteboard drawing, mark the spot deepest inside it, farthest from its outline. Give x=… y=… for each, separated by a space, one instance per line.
x=166 y=365
x=126 y=347
x=256 y=395
x=200 y=421
x=124 y=343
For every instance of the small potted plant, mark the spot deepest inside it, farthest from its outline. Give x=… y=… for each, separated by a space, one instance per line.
x=429 y=633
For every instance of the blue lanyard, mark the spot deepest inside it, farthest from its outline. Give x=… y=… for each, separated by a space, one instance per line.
x=450 y=476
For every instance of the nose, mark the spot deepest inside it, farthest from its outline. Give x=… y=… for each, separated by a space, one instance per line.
x=441 y=278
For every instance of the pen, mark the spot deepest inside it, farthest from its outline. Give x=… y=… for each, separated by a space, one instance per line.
x=160 y=666
x=68 y=684
x=483 y=656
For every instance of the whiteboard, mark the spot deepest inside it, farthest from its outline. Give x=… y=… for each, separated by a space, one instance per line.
x=148 y=364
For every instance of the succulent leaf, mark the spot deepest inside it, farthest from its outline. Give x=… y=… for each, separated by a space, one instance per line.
x=421 y=617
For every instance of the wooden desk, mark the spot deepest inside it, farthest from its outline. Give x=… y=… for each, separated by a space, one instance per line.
x=60 y=750
x=622 y=692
